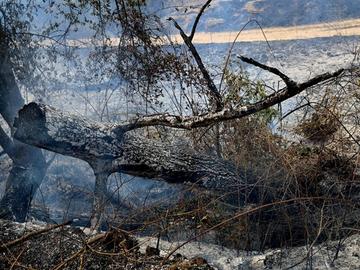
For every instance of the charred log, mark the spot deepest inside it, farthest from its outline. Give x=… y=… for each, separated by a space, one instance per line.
x=120 y=151
x=108 y=149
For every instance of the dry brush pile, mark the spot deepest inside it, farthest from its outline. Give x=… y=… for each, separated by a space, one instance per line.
x=303 y=186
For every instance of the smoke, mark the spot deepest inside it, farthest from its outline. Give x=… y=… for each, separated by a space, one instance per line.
x=67 y=191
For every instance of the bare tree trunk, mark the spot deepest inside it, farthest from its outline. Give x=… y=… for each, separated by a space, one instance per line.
x=100 y=193
x=29 y=166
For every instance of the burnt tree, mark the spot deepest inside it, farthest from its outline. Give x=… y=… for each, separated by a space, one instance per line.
x=110 y=148
x=28 y=163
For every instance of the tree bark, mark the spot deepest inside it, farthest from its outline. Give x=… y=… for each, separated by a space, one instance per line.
x=25 y=177
x=29 y=166
x=120 y=151
x=109 y=149
x=100 y=194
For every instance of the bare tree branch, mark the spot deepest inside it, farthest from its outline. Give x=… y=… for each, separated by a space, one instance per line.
x=289 y=82
x=32 y=234
x=227 y=113
x=214 y=96
x=197 y=19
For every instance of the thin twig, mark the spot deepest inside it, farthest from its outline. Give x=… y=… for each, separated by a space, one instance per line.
x=17 y=259
x=79 y=252
x=250 y=211
x=51 y=160
x=233 y=44
x=294 y=110
x=72 y=257
x=32 y=234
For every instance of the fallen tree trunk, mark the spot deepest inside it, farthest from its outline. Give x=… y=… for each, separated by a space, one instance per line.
x=102 y=143
x=108 y=149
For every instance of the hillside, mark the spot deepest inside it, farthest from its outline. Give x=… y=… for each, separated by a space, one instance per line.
x=231 y=15
x=321 y=30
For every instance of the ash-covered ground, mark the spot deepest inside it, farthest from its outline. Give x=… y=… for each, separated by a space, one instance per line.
x=40 y=246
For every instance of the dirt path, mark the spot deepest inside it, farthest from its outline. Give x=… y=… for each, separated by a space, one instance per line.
x=336 y=28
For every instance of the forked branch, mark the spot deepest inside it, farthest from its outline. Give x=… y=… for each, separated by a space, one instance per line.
x=213 y=93
x=228 y=113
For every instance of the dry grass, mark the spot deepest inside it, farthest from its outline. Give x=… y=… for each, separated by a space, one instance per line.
x=335 y=28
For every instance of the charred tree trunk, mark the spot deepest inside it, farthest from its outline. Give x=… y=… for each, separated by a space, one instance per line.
x=108 y=148
x=120 y=151
x=27 y=172
x=102 y=173
x=28 y=163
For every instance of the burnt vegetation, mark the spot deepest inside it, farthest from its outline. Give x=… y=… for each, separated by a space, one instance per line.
x=241 y=183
